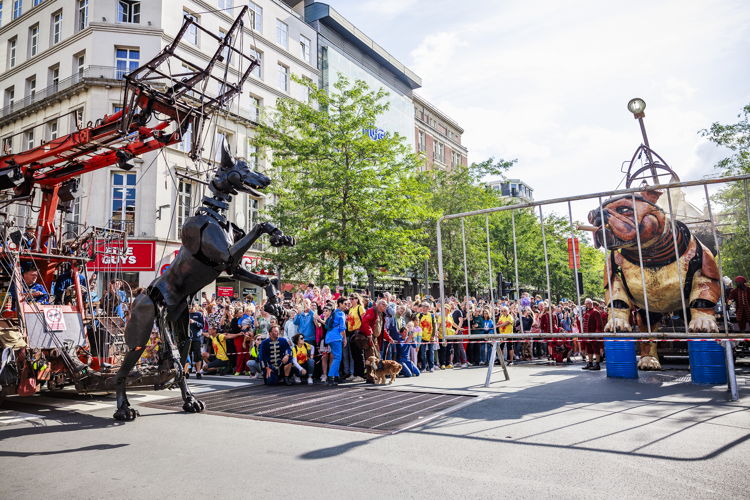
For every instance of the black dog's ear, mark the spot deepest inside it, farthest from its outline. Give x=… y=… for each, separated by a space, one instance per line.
x=226 y=155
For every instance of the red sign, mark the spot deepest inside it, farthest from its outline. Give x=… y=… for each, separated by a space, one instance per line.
x=571 y=243
x=224 y=291
x=138 y=256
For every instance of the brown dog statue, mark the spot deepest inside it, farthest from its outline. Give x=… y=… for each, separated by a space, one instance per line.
x=616 y=224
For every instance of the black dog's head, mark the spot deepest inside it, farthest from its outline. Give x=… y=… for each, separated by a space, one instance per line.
x=234 y=176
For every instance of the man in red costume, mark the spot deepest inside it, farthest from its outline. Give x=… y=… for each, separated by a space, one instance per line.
x=740 y=295
x=592 y=323
x=558 y=349
x=371 y=331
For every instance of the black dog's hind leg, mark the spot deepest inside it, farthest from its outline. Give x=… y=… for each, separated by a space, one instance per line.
x=137 y=333
x=177 y=332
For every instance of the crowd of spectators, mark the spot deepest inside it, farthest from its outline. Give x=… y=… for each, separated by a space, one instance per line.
x=328 y=336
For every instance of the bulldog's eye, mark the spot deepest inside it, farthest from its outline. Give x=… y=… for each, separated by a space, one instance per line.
x=624 y=210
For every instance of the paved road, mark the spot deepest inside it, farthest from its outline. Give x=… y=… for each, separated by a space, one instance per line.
x=548 y=432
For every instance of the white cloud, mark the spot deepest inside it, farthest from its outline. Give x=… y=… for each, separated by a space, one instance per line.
x=387 y=7
x=547 y=83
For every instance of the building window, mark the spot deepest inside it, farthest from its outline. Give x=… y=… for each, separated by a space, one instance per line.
x=8 y=145
x=282 y=34
x=72 y=219
x=421 y=141
x=52 y=131
x=251 y=156
x=76 y=119
x=258 y=70
x=187 y=139
x=34 y=40
x=254 y=108
x=219 y=139
x=455 y=159
x=283 y=78
x=226 y=54
x=82 y=15
x=123 y=202
x=28 y=139
x=53 y=78
x=306 y=89
x=439 y=152
x=126 y=60
x=253 y=209
x=226 y=4
x=304 y=44
x=192 y=32
x=31 y=86
x=184 y=204
x=10 y=96
x=56 y=30
x=12 y=45
x=128 y=11
x=79 y=63
x=256 y=16
x=37 y=2
x=17 y=8
x=1 y=12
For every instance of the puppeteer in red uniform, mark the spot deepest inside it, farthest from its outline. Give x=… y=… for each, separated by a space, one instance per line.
x=740 y=296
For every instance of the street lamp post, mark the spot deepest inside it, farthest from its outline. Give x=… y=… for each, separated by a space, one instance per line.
x=637 y=106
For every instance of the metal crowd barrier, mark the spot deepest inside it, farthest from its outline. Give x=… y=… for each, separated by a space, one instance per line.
x=649 y=333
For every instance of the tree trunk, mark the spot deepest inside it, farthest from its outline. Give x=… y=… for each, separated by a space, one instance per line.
x=341 y=271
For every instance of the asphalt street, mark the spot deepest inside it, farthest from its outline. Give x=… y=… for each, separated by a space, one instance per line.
x=548 y=432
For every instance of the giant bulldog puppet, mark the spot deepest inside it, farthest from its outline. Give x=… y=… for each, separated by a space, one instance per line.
x=210 y=245
x=617 y=221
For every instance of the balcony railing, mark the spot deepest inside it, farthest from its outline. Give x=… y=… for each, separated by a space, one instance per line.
x=109 y=73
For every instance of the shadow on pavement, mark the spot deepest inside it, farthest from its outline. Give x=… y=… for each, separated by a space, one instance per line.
x=549 y=400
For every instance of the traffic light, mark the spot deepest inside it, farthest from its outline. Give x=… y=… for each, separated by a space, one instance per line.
x=504 y=287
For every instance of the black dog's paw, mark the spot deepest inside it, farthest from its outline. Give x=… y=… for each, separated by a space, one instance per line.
x=126 y=414
x=193 y=405
x=278 y=239
x=274 y=310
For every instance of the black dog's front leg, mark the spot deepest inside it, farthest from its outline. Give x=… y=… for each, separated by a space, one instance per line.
x=278 y=239
x=269 y=285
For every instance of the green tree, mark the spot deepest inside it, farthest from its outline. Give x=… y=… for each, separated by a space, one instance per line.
x=735 y=138
x=463 y=190
x=348 y=199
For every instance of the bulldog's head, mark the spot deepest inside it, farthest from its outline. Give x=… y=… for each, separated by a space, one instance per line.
x=619 y=218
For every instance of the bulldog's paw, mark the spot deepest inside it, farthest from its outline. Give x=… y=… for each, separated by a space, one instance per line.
x=617 y=324
x=649 y=363
x=703 y=324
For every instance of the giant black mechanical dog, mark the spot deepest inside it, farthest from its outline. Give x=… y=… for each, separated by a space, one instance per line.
x=210 y=245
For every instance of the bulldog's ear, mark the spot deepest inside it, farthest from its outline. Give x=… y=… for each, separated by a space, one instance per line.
x=226 y=155
x=652 y=196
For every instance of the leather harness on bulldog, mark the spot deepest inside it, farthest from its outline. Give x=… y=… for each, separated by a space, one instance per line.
x=665 y=255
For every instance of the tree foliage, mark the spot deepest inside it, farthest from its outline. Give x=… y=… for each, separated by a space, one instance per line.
x=351 y=201
x=462 y=190
x=735 y=138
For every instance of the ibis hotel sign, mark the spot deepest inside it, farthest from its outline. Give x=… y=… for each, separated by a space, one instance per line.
x=114 y=256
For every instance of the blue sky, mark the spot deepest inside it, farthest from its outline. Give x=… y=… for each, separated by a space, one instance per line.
x=547 y=82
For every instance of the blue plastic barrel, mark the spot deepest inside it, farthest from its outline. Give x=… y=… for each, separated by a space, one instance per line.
x=621 y=362
x=708 y=364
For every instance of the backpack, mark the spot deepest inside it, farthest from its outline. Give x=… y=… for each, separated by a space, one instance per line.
x=8 y=368
x=329 y=321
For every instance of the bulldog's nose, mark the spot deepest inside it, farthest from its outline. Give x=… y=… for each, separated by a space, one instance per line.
x=595 y=217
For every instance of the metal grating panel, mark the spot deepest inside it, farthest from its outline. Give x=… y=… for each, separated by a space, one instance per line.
x=352 y=408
